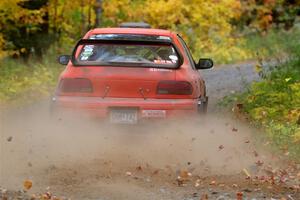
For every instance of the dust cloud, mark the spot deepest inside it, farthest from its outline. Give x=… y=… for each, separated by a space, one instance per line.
x=52 y=150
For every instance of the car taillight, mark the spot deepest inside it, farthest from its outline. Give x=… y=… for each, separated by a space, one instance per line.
x=174 y=87
x=81 y=85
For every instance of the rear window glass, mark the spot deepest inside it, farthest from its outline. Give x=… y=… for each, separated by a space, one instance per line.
x=155 y=55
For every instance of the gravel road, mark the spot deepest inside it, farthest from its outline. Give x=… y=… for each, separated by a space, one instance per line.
x=213 y=157
x=226 y=79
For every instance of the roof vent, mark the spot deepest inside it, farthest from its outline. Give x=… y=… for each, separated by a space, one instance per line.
x=134 y=25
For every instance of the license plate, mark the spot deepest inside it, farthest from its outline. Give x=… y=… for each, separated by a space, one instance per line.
x=154 y=113
x=124 y=116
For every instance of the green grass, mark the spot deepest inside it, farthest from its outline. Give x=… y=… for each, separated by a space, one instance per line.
x=273 y=103
x=276 y=44
x=23 y=83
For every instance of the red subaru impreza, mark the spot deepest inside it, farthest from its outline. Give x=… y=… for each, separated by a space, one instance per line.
x=131 y=73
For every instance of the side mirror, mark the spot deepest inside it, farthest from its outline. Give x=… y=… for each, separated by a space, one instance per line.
x=64 y=59
x=204 y=63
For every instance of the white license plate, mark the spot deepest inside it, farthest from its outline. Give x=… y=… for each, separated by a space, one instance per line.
x=154 y=113
x=123 y=116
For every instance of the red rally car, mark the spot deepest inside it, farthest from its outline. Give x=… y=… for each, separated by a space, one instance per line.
x=131 y=73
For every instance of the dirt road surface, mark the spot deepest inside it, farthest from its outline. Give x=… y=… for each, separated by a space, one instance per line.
x=212 y=157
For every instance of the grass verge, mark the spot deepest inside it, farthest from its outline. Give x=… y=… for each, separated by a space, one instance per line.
x=273 y=103
x=23 y=83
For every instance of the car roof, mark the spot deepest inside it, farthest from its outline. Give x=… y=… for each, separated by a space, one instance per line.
x=144 y=31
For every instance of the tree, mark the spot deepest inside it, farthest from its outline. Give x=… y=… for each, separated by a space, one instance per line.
x=261 y=15
x=25 y=26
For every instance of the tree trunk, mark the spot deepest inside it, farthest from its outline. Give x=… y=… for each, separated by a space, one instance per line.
x=82 y=17
x=89 y=15
x=98 y=11
x=55 y=16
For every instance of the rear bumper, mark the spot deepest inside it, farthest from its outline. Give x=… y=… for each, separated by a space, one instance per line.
x=99 y=107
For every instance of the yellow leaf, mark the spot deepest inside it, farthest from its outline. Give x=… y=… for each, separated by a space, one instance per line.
x=27 y=184
x=297 y=136
x=287 y=79
x=258 y=68
x=23 y=50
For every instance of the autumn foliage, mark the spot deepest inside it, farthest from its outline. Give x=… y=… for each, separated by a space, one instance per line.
x=29 y=27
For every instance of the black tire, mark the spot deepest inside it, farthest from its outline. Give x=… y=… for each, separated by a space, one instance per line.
x=202 y=106
x=54 y=113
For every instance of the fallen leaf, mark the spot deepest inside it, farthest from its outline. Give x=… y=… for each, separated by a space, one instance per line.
x=9 y=139
x=259 y=163
x=283 y=179
x=288 y=79
x=213 y=182
x=270 y=187
x=239 y=196
x=221 y=147
x=45 y=197
x=48 y=194
x=27 y=184
x=255 y=153
x=139 y=168
x=55 y=198
x=239 y=106
x=292 y=177
x=234 y=129
x=148 y=180
x=156 y=172
x=234 y=185
x=247 y=190
x=296 y=187
x=246 y=173
x=197 y=183
x=267 y=143
x=247 y=141
x=180 y=182
x=204 y=197
x=128 y=174
x=184 y=175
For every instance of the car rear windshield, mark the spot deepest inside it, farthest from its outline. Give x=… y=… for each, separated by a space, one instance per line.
x=137 y=54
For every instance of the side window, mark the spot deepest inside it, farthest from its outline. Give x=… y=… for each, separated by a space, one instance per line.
x=187 y=51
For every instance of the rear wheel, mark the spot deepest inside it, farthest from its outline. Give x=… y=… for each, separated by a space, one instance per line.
x=202 y=105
